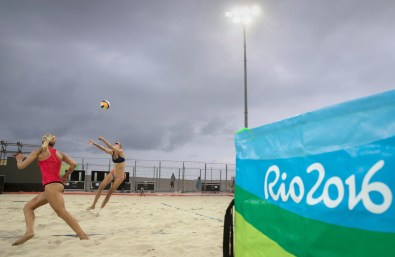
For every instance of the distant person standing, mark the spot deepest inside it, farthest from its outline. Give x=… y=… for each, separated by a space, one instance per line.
x=172 y=180
x=50 y=161
x=198 y=184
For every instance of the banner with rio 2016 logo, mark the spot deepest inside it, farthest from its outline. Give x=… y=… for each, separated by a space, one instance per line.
x=319 y=184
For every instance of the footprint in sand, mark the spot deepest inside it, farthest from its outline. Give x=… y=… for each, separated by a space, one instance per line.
x=56 y=242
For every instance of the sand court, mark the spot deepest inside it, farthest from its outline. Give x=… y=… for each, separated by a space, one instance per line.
x=129 y=225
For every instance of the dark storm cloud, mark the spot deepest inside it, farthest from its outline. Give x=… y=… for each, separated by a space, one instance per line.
x=173 y=70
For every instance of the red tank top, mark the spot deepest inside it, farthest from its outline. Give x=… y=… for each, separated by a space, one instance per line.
x=50 y=168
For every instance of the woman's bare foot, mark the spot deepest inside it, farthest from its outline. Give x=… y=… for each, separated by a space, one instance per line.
x=91 y=208
x=23 y=239
x=98 y=212
x=83 y=237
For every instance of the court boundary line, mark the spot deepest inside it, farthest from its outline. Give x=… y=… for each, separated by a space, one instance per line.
x=127 y=194
x=196 y=213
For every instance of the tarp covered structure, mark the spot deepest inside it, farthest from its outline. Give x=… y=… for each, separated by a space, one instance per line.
x=319 y=184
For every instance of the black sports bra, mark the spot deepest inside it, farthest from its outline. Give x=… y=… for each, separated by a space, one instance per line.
x=118 y=160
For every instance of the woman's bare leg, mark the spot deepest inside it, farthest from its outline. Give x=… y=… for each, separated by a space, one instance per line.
x=28 y=210
x=102 y=185
x=114 y=187
x=54 y=195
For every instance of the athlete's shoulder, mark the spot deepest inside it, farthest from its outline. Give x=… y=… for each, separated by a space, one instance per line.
x=37 y=151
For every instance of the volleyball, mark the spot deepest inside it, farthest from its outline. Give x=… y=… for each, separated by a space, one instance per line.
x=105 y=104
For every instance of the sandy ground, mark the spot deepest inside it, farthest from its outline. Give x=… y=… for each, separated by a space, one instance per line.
x=130 y=225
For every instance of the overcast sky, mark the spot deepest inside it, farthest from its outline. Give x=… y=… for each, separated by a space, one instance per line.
x=173 y=69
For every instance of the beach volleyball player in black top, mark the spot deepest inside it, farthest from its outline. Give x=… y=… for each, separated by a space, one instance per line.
x=117 y=174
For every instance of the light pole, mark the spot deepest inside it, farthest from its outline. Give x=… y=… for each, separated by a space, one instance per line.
x=244 y=16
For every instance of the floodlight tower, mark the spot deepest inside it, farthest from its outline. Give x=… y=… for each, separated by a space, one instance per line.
x=244 y=16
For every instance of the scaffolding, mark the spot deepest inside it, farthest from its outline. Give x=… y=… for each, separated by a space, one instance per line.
x=17 y=147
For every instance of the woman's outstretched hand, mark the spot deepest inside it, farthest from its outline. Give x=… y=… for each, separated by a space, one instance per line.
x=19 y=157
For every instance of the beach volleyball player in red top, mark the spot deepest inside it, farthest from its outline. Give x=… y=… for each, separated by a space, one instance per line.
x=49 y=160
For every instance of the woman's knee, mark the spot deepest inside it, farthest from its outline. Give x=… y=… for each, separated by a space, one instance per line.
x=111 y=191
x=28 y=207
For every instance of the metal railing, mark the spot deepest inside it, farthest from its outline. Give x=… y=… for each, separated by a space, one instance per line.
x=216 y=177
x=159 y=172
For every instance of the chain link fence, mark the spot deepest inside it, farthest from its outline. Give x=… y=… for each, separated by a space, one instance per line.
x=155 y=175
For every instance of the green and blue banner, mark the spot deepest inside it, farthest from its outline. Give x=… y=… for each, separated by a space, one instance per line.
x=319 y=184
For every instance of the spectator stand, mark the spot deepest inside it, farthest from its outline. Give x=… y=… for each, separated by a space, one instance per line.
x=211 y=187
x=76 y=180
x=98 y=176
x=145 y=186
